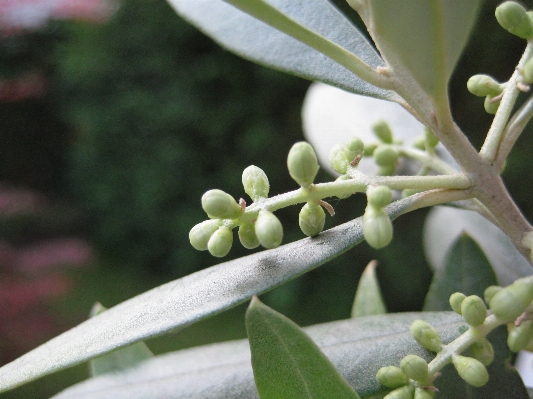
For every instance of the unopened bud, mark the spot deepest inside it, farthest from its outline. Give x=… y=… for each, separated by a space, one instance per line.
x=269 y=230
x=426 y=335
x=490 y=292
x=491 y=107
x=527 y=72
x=421 y=393
x=201 y=233
x=338 y=159
x=405 y=392
x=353 y=148
x=513 y=18
x=483 y=351
x=385 y=155
x=312 y=219
x=392 y=377
x=415 y=368
x=302 y=164
x=383 y=131
x=386 y=170
x=220 y=205
x=456 y=299
x=483 y=85
x=431 y=139
x=473 y=310
x=220 y=242
x=369 y=149
x=377 y=227
x=255 y=182
x=511 y=301
x=247 y=236
x=471 y=370
x=379 y=196
x=520 y=336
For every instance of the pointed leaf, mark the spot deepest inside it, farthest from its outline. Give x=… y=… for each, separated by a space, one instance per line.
x=368 y=300
x=467 y=270
x=286 y=362
x=182 y=302
x=261 y=43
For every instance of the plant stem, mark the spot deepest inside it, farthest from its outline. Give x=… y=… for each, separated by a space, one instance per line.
x=429 y=160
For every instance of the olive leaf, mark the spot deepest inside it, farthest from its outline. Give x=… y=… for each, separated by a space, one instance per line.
x=368 y=300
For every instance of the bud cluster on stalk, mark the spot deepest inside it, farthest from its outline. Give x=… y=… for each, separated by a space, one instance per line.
x=488 y=87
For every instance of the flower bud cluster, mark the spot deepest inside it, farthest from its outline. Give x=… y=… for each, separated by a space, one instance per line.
x=513 y=17
x=377 y=226
x=510 y=302
x=342 y=156
x=486 y=86
x=385 y=154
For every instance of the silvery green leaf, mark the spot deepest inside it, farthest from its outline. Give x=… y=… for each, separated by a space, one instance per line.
x=357 y=347
x=179 y=303
x=444 y=224
x=368 y=299
x=259 y=42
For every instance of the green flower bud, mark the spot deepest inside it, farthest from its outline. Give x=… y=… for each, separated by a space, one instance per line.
x=386 y=170
x=491 y=107
x=520 y=336
x=431 y=139
x=255 y=182
x=392 y=377
x=420 y=143
x=482 y=351
x=369 y=149
x=383 y=131
x=473 y=310
x=527 y=72
x=377 y=227
x=247 y=236
x=483 y=85
x=311 y=219
x=415 y=368
x=353 y=148
x=456 y=299
x=405 y=392
x=220 y=205
x=490 y=292
x=511 y=301
x=302 y=163
x=379 y=196
x=385 y=155
x=421 y=393
x=471 y=370
x=220 y=242
x=513 y=18
x=268 y=230
x=340 y=178
x=338 y=159
x=426 y=335
x=201 y=233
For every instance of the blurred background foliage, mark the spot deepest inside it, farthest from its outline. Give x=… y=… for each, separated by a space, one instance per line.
x=136 y=117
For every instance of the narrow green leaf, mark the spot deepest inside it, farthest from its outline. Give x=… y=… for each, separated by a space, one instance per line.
x=286 y=362
x=368 y=300
x=261 y=43
x=467 y=270
x=120 y=359
x=179 y=303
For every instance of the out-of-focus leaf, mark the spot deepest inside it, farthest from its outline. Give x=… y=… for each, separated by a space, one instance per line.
x=467 y=270
x=356 y=347
x=286 y=362
x=182 y=302
x=120 y=359
x=368 y=300
x=259 y=42
x=443 y=226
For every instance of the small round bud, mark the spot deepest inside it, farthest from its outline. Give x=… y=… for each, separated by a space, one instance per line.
x=340 y=178
x=483 y=85
x=415 y=368
x=420 y=143
x=385 y=155
x=201 y=233
x=490 y=106
x=482 y=351
x=379 y=196
x=369 y=149
x=490 y=292
x=473 y=310
x=312 y=219
x=511 y=301
x=405 y=392
x=431 y=139
x=255 y=182
x=383 y=131
x=426 y=335
x=268 y=230
x=421 y=393
x=353 y=148
x=302 y=164
x=527 y=72
x=377 y=227
x=513 y=18
x=220 y=242
x=220 y=205
x=471 y=370
x=456 y=299
x=386 y=170
x=391 y=377
x=338 y=159
x=520 y=336
x=247 y=236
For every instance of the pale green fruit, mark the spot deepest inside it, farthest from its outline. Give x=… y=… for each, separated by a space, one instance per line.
x=421 y=393
x=383 y=131
x=338 y=159
x=392 y=377
x=405 y=392
x=483 y=85
x=220 y=242
x=511 y=301
x=312 y=219
x=527 y=72
x=201 y=233
x=456 y=299
x=490 y=292
x=482 y=351
x=513 y=18
x=379 y=196
x=385 y=155
x=377 y=227
x=473 y=310
x=426 y=335
x=269 y=230
x=255 y=182
x=220 y=205
x=471 y=370
x=247 y=236
x=415 y=368
x=491 y=107
x=302 y=164
x=520 y=336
